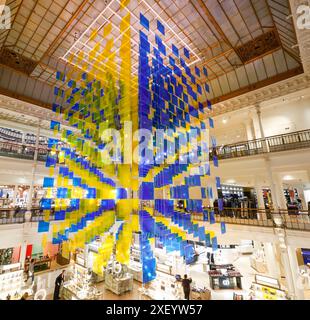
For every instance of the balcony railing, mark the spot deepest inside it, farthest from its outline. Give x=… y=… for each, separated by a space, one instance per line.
x=283 y=142
x=20 y=151
x=290 y=219
x=13 y=216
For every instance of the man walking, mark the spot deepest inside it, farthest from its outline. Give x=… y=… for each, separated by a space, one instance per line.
x=186 y=283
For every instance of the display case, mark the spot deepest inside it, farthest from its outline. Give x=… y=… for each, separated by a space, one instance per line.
x=267 y=288
x=164 y=287
x=79 y=286
x=135 y=268
x=257 y=261
x=224 y=277
x=118 y=284
x=12 y=282
x=200 y=293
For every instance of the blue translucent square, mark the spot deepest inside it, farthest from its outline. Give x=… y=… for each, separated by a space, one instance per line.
x=144 y=21
x=48 y=182
x=43 y=226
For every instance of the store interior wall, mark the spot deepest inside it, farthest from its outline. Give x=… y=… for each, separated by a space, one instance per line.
x=284 y=116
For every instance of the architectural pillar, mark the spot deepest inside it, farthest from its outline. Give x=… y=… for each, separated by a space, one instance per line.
x=299 y=292
x=260 y=202
x=273 y=187
x=271 y=261
x=22 y=256
x=23 y=137
x=15 y=195
x=34 y=168
x=249 y=129
x=280 y=193
x=286 y=262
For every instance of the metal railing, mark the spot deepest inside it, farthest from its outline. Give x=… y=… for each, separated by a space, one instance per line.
x=283 y=142
x=20 y=151
x=13 y=216
x=290 y=219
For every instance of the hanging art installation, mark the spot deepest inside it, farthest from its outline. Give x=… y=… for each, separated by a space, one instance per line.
x=135 y=142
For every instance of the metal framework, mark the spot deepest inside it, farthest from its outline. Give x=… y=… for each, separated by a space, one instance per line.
x=213 y=30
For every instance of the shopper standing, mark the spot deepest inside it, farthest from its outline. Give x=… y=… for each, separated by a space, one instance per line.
x=31 y=271
x=186 y=283
x=58 y=283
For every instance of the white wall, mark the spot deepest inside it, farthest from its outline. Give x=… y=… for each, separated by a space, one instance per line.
x=286 y=117
x=279 y=116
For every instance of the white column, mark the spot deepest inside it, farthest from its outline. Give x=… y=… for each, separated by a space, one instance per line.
x=260 y=198
x=256 y=126
x=34 y=168
x=288 y=272
x=15 y=194
x=299 y=292
x=280 y=193
x=286 y=262
x=275 y=200
x=23 y=137
x=249 y=129
x=271 y=260
x=22 y=256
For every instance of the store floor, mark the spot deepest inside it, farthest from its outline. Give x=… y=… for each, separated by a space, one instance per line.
x=196 y=272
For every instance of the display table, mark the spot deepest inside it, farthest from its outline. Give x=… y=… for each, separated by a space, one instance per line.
x=119 y=285
x=258 y=264
x=224 y=277
x=267 y=288
x=135 y=268
x=11 y=282
x=71 y=292
x=79 y=287
x=200 y=294
x=164 y=287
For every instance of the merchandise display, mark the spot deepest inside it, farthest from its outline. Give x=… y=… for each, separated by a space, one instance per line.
x=12 y=282
x=164 y=287
x=258 y=262
x=266 y=288
x=79 y=287
x=224 y=277
x=200 y=293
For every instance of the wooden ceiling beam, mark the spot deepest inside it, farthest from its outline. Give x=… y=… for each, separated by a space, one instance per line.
x=64 y=29
x=259 y=84
x=215 y=24
x=13 y=94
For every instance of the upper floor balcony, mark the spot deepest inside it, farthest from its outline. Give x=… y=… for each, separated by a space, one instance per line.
x=283 y=142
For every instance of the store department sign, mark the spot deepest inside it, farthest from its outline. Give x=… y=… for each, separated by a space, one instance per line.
x=303 y=17
x=5 y=17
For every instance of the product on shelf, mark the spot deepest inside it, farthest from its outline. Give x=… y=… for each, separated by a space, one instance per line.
x=267 y=288
x=79 y=286
x=12 y=282
x=164 y=287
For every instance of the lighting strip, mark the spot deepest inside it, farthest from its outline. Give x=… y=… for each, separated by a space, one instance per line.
x=137 y=20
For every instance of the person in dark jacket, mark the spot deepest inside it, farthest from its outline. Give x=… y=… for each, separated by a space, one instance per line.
x=186 y=284
x=58 y=282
